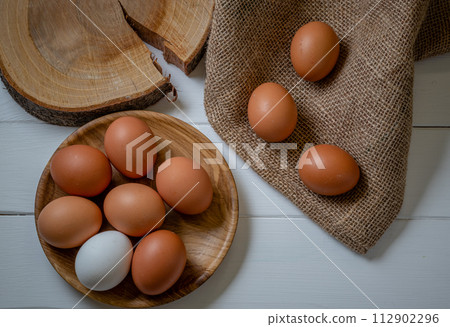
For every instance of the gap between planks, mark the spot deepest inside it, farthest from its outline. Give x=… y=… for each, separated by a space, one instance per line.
x=271 y=217
x=202 y=123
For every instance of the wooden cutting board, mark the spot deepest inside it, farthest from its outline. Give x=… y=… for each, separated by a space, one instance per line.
x=70 y=61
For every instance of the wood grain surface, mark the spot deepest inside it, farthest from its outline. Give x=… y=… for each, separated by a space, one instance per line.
x=207 y=236
x=181 y=38
x=68 y=62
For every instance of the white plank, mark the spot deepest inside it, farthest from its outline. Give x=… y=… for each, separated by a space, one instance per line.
x=270 y=265
x=27 y=278
x=431 y=96
x=428 y=175
x=26 y=147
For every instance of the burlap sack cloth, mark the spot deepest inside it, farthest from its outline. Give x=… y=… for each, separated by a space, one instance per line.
x=363 y=106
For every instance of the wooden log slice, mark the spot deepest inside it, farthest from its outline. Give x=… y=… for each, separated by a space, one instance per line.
x=70 y=61
x=182 y=38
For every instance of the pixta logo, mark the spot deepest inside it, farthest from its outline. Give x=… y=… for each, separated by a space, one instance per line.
x=309 y=155
x=142 y=150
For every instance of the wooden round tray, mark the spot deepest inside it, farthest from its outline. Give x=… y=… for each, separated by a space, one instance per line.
x=207 y=236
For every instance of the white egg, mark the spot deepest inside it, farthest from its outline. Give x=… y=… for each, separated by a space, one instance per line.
x=104 y=260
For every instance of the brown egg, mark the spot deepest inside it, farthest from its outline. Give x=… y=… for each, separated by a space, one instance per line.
x=132 y=135
x=69 y=221
x=81 y=170
x=328 y=170
x=134 y=209
x=183 y=186
x=310 y=51
x=158 y=262
x=272 y=112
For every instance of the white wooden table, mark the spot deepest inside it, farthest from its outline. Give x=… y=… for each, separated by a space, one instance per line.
x=270 y=264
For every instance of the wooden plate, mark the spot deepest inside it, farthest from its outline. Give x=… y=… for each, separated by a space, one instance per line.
x=207 y=236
